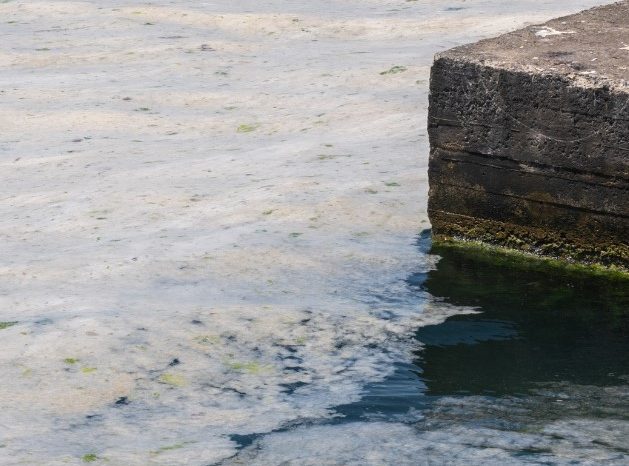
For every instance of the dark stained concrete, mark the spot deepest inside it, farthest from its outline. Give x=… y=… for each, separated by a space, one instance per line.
x=529 y=139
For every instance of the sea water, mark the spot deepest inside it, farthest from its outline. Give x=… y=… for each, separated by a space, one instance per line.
x=209 y=220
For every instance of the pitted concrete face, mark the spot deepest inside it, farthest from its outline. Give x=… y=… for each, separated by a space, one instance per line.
x=208 y=210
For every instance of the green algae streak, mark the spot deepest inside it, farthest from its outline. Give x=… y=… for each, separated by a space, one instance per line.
x=499 y=255
x=174 y=380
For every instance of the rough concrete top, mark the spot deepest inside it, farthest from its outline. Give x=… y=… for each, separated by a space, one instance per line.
x=591 y=48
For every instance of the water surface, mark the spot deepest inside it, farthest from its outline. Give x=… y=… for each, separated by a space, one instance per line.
x=539 y=373
x=207 y=228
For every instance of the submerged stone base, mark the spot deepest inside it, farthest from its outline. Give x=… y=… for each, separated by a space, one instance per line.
x=529 y=139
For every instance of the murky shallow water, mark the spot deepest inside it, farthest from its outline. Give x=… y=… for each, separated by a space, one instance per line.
x=207 y=222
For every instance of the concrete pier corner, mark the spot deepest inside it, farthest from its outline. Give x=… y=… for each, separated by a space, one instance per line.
x=529 y=137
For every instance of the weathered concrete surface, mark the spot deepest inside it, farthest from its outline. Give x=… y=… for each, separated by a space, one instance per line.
x=529 y=138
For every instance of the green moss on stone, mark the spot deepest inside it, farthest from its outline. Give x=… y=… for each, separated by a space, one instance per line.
x=508 y=257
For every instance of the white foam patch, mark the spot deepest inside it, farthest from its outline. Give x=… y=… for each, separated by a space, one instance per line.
x=583 y=442
x=546 y=32
x=207 y=206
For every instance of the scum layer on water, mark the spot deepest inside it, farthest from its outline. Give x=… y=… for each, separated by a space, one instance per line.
x=209 y=212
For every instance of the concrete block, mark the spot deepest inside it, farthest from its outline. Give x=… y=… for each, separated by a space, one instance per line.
x=529 y=138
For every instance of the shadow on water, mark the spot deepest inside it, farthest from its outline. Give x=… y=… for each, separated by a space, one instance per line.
x=536 y=325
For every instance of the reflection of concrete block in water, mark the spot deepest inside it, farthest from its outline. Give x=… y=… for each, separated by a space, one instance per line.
x=529 y=139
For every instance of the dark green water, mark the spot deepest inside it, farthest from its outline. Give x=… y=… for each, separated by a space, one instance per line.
x=546 y=344
x=536 y=326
